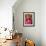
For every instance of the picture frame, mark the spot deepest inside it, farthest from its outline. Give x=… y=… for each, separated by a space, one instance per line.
x=28 y=19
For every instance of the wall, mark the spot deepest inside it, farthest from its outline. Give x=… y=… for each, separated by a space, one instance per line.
x=43 y=22
x=32 y=33
x=6 y=13
x=6 y=16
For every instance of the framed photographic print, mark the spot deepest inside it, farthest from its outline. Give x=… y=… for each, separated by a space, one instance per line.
x=28 y=19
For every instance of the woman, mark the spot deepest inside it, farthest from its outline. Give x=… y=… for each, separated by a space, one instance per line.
x=28 y=19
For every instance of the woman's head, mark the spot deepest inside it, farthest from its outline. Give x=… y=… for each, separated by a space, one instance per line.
x=28 y=15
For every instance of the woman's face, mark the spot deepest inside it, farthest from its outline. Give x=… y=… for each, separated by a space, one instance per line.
x=27 y=16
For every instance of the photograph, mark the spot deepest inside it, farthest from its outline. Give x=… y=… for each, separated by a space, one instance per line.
x=28 y=19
